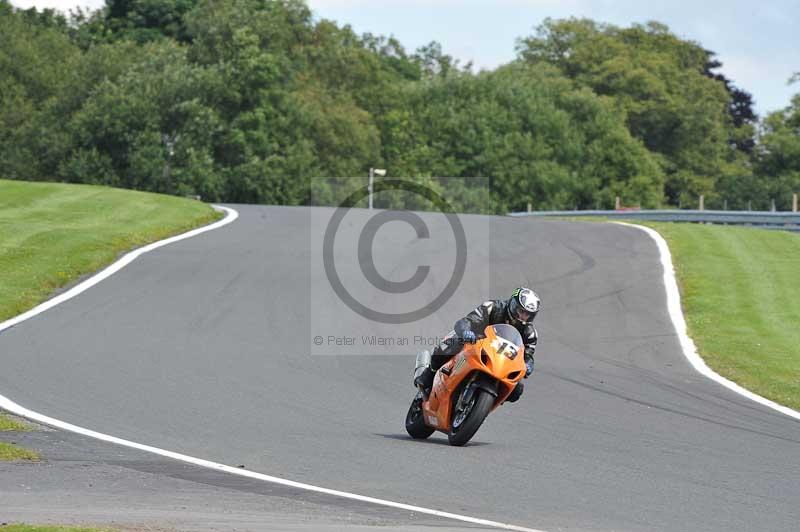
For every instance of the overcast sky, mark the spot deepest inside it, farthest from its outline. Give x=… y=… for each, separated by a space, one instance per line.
x=758 y=42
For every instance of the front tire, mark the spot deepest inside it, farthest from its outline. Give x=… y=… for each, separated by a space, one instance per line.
x=482 y=403
x=415 y=420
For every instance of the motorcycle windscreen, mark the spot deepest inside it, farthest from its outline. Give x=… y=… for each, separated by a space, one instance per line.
x=508 y=333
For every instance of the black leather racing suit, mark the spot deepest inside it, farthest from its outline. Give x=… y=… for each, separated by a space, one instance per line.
x=487 y=313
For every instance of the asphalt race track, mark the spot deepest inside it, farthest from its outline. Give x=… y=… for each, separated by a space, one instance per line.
x=204 y=347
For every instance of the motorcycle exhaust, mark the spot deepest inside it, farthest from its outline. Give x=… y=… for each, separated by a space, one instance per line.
x=423 y=361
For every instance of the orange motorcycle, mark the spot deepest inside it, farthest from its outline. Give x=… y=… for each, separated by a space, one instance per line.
x=468 y=386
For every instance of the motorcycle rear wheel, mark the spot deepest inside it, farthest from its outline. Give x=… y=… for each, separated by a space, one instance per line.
x=415 y=420
x=481 y=404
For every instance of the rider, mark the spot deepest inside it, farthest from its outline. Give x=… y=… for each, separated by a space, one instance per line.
x=519 y=311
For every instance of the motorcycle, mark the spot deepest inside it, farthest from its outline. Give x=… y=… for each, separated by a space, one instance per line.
x=469 y=386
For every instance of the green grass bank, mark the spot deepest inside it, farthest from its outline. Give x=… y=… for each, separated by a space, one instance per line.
x=11 y=453
x=8 y=451
x=9 y=424
x=52 y=234
x=740 y=290
x=33 y=528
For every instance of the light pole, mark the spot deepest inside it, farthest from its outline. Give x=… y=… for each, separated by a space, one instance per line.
x=380 y=172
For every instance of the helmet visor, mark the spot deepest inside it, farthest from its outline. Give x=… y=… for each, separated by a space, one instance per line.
x=519 y=313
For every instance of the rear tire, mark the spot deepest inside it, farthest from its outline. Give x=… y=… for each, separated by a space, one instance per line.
x=415 y=422
x=467 y=429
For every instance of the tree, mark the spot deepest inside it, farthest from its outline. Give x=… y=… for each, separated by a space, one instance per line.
x=778 y=163
x=740 y=108
x=152 y=128
x=147 y=20
x=36 y=61
x=657 y=80
x=435 y=63
x=247 y=100
x=530 y=131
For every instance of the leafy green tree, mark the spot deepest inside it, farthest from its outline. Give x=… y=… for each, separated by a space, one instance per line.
x=778 y=163
x=36 y=62
x=247 y=100
x=147 y=20
x=658 y=81
x=740 y=108
x=535 y=135
x=290 y=96
x=344 y=136
x=152 y=128
x=435 y=63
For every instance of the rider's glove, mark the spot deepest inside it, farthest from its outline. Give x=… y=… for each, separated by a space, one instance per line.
x=528 y=367
x=468 y=337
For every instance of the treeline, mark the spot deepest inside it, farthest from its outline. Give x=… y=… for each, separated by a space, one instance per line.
x=246 y=100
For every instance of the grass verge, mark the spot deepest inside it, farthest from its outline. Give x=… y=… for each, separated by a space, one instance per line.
x=34 y=528
x=52 y=234
x=740 y=291
x=10 y=452
x=8 y=424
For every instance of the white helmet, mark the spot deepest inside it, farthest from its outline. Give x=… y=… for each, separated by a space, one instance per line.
x=523 y=305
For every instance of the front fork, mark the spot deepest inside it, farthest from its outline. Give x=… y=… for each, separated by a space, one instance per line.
x=478 y=381
x=465 y=396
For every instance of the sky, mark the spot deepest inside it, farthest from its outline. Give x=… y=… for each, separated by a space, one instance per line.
x=757 y=42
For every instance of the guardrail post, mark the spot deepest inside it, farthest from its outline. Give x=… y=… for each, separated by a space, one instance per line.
x=773 y=206
x=794 y=202
x=725 y=208
x=530 y=207
x=617 y=204
x=702 y=202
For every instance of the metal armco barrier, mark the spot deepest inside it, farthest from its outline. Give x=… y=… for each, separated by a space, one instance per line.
x=769 y=220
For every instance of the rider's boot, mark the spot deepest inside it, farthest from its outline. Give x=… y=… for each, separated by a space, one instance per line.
x=514 y=396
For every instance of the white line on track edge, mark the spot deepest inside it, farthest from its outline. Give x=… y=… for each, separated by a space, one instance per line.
x=231 y=215
x=679 y=322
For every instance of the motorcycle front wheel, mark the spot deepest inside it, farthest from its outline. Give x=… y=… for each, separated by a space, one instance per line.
x=415 y=422
x=469 y=417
